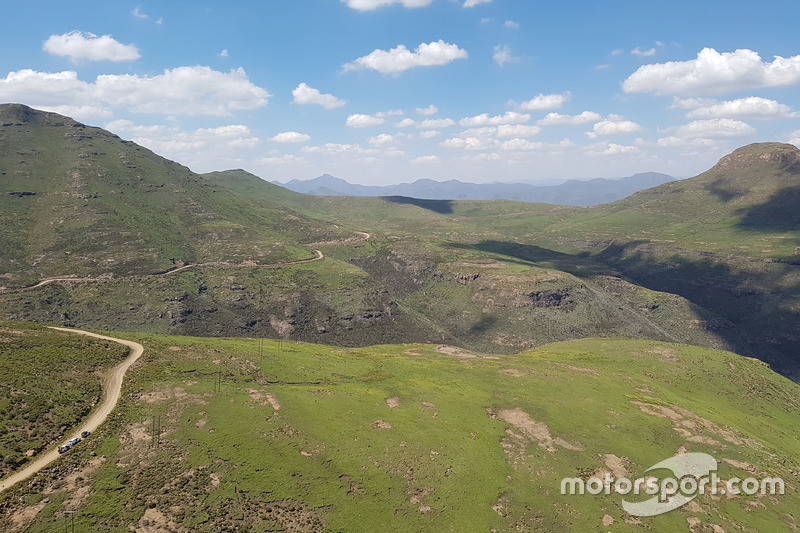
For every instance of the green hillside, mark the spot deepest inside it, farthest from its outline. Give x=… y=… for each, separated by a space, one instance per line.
x=77 y=200
x=304 y=437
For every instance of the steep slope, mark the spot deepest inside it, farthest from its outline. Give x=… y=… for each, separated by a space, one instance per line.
x=77 y=200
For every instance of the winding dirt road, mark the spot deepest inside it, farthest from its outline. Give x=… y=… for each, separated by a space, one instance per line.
x=318 y=256
x=112 y=387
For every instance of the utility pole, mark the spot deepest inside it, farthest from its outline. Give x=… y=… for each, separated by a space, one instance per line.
x=69 y=521
x=218 y=381
x=155 y=441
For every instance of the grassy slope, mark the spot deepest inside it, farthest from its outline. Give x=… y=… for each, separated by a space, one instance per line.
x=77 y=200
x=300 y=437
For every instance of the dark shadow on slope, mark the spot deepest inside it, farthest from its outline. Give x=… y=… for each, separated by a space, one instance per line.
x=443 y=207
x=528 y=254
x=723 y=189
x=759 y=298
x=780 y=213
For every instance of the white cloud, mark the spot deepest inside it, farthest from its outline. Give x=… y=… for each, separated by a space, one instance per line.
x=638 y=52
x=181 y=91
x=401 y=58
x=511 y=24
x=427 y=111
x=552 y=119
x=337 y=148
x=204 y=149
x=510 y=117
x=291 y=137
x=672 y=141
x=405 y=123
x=715 y=128
x=381 y=140
x=435 y=123
x=713 y=72
x=520 y=145
x=305 y=95
x=794 y=138
x=425 y=159
x=87 y=46
x=617 y=52
x=691 y=103
x=138 y=13
x=546 y=101
x=753 y=106
x=616 y=149
x=517 y=130
x=502 y=54
x=470 y=143
x=224 y=53
x=363 y=121
x=473 y=3
x=369 y=5
x=613 y=125
x=485 y=131
x=287 y=159
x=429 y=134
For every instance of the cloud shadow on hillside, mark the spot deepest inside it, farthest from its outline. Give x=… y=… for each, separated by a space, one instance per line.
x=443 y=207
x=528 y=254
x=723 y=190
x=781 y=212
x=757 y=319
x=757 y=299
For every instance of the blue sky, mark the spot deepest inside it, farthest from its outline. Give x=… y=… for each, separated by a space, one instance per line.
x=386 y=91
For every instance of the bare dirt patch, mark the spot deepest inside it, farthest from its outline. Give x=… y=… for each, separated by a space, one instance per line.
x=26 y=515
x=154 y=521
x=665 y=353
x=264 y=398
x=462 y=354
x=428 y=406
x=742 y=465
x=393 y=402
x=573 y=367
x=417 y=497
x=695 y=427
x=512 y=372
x=533 y=430
x=381 y=424
x=615 y=464
x=294 y=516
x=163 y=395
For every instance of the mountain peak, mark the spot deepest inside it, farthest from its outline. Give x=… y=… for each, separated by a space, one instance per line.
x=22 y=114
x=785 y=155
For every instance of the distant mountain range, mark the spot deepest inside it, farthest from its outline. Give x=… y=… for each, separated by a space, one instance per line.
x=573 y=192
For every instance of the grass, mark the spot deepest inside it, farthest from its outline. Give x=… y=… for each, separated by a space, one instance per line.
x=304 y=435
x=50 y=382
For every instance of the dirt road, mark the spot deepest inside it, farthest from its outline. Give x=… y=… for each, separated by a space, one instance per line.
x=112 y=386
